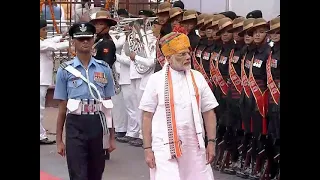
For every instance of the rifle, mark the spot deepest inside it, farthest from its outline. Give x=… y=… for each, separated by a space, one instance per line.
x=229 y=139
x=220 y=148
x=246 y=152
x=262 y=164
x=237 y=165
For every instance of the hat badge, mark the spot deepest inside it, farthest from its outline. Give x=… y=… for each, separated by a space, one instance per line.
x=83 y=28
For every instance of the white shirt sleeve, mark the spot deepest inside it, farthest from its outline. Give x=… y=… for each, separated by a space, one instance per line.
x=123 y=59
x=149 y=100
x=208 y=100
x=53 y=44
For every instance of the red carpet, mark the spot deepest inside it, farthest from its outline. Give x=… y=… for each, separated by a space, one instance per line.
x=46 y=176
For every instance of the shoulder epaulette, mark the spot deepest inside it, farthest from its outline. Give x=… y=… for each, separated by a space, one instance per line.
x=102 y=62
x=65 y=64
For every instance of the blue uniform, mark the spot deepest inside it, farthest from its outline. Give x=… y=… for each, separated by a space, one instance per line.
x=70 y=87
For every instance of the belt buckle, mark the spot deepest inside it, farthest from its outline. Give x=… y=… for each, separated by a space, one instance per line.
x=89 y=108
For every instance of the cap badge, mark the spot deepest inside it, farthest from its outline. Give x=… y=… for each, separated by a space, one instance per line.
x=83 y=28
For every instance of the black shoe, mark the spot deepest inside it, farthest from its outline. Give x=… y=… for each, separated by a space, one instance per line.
x=124 y=139
x=137 y=142
x=120 y=134
x=46 y=141
x=106 y=155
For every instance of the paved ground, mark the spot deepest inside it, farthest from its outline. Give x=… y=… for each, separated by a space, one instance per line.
x=127 y=162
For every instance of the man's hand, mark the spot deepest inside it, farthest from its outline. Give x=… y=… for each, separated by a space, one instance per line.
x=132 y=56
x=149 y=157
x=61 y=149
x=210 y=152
x=112 y=145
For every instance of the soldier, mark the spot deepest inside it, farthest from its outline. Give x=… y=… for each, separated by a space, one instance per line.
x=258 y=86
x=200 y=22
x=47 y=47
x=175 y=16
x=163 y=16
x=189 y=22
x=104 y=47
x=211 y=22
x=273 y=80
x=245 y=101
x=84 y=87
x=234 y=93
x=222 y=78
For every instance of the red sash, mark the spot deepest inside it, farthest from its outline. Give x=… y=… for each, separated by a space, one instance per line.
x=261 y=98
x=213 y=73
x=160 y=56
x=244 y=78
x=236 y=80
x=200 y=68
x=274 y=91
x=220 y=81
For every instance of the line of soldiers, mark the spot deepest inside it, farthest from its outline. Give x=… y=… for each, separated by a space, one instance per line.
x=240 y=59
x=242 y=67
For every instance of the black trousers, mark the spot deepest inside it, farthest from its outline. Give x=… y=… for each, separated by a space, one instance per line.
x=246 y=110
x=274 y=120
x=84 y=147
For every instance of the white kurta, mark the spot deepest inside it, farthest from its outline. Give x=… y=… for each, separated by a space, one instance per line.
x=192 y=164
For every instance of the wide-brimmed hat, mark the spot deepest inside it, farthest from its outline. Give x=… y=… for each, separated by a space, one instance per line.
x=223 y=23
x=164 y=7
x=175 y=11
x=200 y=20
x=274 y=24
x=104 y=15
x=215 y=20
x=236 y=24
x=189 y=14
x=259 y=22
x=207 y=22
x=247 y=24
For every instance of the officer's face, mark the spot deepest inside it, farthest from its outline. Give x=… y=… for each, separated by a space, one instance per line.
x=209 y=32
x=214 y=33
x=275 y=36
x=101 y=26
x=189 y=24
x=83 y=45
x=248 y=39
x=176 y=20
x=225 y=35
x=236 y=37
x=180 y=61
x=43 y=32
x=259 y=35
x=163 y=17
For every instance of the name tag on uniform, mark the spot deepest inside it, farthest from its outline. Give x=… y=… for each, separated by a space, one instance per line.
x=100 y=77
x=215 y=56
x=257 y=63
x=198 y=53
x=205 y=56
x=235 y=59
x=247 y=63
x=274 y=63
x=223 y=60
